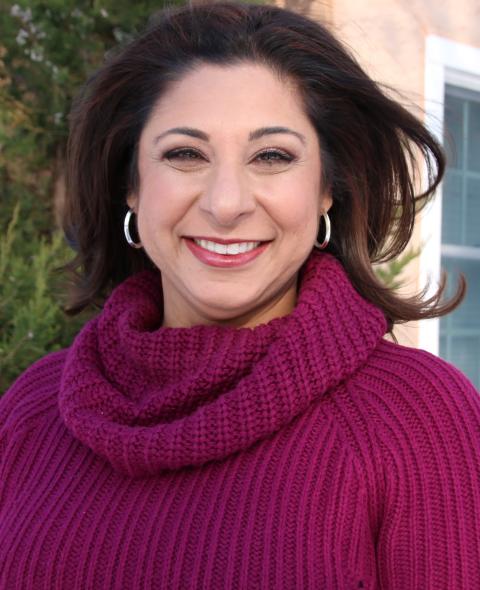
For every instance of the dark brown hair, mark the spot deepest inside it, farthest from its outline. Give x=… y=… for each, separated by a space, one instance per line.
x=372 y=147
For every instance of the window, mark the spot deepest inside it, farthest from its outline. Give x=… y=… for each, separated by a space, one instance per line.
x=450 y=224
x=460 y=234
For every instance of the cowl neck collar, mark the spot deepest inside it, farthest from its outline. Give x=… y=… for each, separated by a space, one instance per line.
x=148 y=398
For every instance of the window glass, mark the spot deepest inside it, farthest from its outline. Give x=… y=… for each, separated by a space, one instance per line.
x=467 y=316
x=460 y=330
x=452 y=207
x=472 y=218
x=462 y=352
x=473 y=136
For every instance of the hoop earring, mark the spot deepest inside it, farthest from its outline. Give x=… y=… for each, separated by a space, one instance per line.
x=126 y=230
x=326 y=239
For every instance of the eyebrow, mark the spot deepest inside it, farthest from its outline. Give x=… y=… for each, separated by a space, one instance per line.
x=257 y=134
x=274 y=130
x=190 y=131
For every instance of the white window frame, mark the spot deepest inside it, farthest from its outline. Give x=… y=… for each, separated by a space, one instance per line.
x=446 y=62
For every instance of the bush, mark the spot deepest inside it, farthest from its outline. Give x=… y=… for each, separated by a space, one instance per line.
x=30 y=314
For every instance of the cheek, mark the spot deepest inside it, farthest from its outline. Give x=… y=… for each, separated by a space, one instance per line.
x=163 y=202
x=295 y=203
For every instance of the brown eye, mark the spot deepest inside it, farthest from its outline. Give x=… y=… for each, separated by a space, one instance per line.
x=184 y=157
x=274 y=157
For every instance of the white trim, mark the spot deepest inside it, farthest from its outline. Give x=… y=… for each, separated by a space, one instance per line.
x=465 y=252
x=446 y=62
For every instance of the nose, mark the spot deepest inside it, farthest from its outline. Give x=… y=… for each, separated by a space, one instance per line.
x=227 y=196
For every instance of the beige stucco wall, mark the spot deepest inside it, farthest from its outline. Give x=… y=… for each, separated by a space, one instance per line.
x=388 y=39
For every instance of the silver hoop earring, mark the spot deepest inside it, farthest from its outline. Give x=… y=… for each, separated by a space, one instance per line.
x=326 y=239
x=126 y=230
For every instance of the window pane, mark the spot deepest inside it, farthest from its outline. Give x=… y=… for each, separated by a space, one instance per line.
x=472 y=221
x=464 y=355
x=474 y=136
x=453 y=135
x=452 y=208
x=467 y=316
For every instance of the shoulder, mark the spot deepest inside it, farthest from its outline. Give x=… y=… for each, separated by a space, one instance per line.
x=404 y=377
x=420 y=414
x=33 y=393
x=400 y=386
x=407 y=412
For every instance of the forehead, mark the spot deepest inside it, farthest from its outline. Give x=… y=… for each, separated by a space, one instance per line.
x=230 y=97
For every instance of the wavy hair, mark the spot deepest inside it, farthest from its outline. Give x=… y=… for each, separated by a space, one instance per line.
x=372 y=148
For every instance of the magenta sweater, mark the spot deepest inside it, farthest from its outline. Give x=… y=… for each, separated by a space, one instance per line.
x=307 y=453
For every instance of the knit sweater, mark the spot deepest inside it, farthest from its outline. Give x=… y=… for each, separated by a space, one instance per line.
x=306 y=453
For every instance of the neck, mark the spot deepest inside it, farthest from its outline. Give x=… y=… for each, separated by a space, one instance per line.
x=280 y=305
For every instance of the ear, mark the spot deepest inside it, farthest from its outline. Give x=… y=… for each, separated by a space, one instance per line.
x=132 y=201
x=326 y=202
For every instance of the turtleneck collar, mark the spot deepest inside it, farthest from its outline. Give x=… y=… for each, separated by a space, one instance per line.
x=149 y=398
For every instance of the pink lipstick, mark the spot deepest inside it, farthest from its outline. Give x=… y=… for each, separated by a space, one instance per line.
x=224 y=260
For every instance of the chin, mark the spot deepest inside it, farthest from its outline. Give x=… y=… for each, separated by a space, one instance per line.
x=224 y=308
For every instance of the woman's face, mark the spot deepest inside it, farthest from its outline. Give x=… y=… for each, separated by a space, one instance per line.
x=230 y=195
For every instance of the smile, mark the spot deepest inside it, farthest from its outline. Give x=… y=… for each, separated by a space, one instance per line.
x=227 y=249
x=226 y=255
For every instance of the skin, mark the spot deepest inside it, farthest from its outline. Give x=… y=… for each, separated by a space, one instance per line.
x=229 y=184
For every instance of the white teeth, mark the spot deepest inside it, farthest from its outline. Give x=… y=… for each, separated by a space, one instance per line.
x=220 y=248
x=231 y=249
x=234 y=249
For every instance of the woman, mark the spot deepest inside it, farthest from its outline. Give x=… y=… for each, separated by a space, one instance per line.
x=234 y=418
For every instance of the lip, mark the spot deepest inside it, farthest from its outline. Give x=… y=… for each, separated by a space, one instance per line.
x=224 y=260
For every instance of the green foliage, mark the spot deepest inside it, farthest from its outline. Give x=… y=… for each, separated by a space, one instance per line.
x=390 y=273
x=30 y=315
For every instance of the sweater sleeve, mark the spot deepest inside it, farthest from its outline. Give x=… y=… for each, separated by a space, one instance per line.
x=429 y=438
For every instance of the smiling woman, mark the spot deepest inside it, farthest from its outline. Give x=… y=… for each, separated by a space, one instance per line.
x=233 y=417
x=228 y=191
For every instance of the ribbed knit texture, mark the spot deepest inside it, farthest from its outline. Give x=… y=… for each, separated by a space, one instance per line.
x=304 y=453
